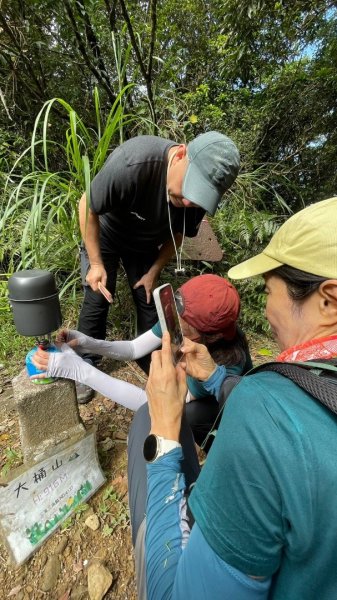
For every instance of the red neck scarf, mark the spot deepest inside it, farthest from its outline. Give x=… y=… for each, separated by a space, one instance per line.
x=320 y=348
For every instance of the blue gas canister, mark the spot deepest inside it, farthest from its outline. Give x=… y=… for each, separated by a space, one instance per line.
x=32 y=369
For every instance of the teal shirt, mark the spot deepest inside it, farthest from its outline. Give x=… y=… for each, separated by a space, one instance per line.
x=197 y=388
x=266 y=498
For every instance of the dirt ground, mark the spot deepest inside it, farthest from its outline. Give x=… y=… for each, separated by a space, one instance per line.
x=59 y=569
x=74 y=547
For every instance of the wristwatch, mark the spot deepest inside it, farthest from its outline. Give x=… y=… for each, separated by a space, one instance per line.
x=156 y=446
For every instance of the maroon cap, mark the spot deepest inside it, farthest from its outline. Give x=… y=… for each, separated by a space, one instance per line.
x=210 y=304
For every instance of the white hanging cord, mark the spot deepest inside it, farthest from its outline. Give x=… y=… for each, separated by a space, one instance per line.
x=179 y=268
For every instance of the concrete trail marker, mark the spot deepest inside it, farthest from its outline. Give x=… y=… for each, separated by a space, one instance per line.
x=35 y=503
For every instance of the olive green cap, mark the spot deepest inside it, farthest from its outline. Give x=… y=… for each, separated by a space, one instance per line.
x=306 y=241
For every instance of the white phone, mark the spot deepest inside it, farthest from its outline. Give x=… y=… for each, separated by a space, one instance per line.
x=168 y=318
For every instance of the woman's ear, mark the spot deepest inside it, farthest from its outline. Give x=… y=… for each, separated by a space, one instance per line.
x=328 y=293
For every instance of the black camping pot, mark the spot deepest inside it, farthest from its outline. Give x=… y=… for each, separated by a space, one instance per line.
x=34 y=299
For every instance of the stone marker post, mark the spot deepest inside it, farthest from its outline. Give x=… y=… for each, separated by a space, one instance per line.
x=60 y=471
x=48 y=415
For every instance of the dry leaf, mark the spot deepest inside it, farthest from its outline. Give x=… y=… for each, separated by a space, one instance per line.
x=15 y=590
x=77 y=567
x=120 y=484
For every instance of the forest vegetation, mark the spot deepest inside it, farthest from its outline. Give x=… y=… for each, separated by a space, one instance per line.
x=78 y=77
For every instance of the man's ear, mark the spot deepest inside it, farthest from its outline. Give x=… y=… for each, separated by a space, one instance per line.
x=180 y=152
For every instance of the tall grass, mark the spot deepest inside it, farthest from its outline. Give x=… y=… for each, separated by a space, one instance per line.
x=39 y=219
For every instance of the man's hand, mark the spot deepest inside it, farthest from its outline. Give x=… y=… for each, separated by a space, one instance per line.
x=95 y=274
x=90 y=230
x=198 y=361
x=149 y=281
x=166 y=391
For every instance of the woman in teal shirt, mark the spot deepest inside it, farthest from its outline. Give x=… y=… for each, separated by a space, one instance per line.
x=263 y=504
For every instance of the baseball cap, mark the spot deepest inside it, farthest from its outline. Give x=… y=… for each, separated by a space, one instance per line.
x=211 y=304
x=306 y=241
x=214 y=163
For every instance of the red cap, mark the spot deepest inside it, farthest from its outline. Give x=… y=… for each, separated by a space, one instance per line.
x=210 y=304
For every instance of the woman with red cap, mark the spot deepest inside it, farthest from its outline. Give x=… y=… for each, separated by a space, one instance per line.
x=208 y=306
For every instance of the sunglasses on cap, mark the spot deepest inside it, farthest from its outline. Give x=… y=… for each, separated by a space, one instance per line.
x=179 y=302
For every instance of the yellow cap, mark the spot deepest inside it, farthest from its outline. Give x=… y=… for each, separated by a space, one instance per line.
x=306 y=241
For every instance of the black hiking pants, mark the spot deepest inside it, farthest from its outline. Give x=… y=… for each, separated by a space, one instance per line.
x=95 y=308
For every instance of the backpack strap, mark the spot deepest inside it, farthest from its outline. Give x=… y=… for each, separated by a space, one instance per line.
x=317 y=378
x=321 y=368
x=227 y=386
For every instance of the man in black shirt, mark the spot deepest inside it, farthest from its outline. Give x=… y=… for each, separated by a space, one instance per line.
x=137 y=216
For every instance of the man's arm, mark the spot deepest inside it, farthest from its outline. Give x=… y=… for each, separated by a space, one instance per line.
x=150 y=279
x=89 y=226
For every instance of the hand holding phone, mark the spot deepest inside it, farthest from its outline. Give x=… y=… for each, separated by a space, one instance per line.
x=169 y=319
x=105 y=292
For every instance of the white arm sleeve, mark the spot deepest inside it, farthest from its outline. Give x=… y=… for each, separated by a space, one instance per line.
x=69 y=365
x=119 y=350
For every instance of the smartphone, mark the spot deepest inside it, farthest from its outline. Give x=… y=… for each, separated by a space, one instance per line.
x=169 y=318
x=105 y=292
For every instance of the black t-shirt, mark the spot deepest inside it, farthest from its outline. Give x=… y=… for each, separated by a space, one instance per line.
x=129 y=194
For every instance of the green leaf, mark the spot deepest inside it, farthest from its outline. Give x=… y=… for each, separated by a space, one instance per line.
x=264 y=352
x=106 y=531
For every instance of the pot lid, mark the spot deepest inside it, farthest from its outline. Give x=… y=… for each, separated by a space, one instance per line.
x=31 y=284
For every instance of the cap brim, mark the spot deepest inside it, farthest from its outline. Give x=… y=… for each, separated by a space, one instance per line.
x=254 y=266
x=196 y=189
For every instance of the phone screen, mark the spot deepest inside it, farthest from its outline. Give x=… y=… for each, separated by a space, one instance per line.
x=169 y=318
